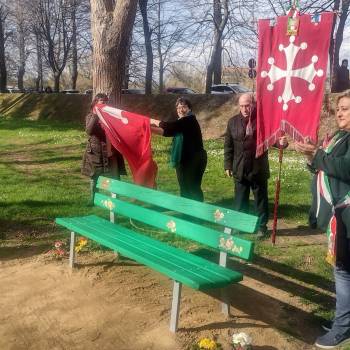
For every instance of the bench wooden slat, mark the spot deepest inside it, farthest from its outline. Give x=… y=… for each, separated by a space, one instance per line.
x=155 y=248
x=230 y=244
x=179 y=265
x=225 y=217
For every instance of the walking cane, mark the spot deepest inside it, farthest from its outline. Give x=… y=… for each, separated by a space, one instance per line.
x=277 y=194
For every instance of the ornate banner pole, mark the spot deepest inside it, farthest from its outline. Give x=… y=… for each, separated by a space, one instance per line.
x=277 y=194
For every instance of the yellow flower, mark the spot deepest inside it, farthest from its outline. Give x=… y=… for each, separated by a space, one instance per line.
x=207 y=344
x=81 y=244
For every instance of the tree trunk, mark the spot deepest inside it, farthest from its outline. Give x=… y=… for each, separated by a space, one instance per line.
x=3 y=70
x=219 y=24
x=22 y=58
x=74 y=49
x=335 y=45
x=217 y=66
x=160 y=54
x=331 y=46
x=340 y=32
x=217 y=58
x=39 y=80
x=148 y=44
x=56 y=77
x=126 y=76
x=111 y=27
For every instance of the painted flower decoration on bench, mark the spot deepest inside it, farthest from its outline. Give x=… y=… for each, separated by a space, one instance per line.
x=229 y=244
x=171 y=225
x=218 y=215
x=108 y=204
x=105 y=184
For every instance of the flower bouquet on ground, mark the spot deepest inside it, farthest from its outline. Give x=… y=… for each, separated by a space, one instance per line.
x=241 y=341
x=59 y=250
x=82 y=242
x=206 y=344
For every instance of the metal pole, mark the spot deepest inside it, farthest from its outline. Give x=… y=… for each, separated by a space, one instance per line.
x=277 y=195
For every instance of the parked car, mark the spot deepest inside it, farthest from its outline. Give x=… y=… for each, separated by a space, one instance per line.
x=228 y=89
x=124 y=91
x=180 y=90
x=70 y=91
x=133 y=91
x=12 y=90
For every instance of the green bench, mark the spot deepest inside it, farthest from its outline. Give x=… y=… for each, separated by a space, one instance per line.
x=181 y=266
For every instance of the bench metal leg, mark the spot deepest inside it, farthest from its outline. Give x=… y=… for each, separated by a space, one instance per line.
x=72 y=250
x=225 y=305
x=175 y=306
x=111 y=213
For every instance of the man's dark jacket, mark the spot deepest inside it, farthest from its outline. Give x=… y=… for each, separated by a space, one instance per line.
x=239 y=151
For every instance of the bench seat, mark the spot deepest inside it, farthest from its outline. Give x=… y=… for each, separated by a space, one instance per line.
x=181 y=266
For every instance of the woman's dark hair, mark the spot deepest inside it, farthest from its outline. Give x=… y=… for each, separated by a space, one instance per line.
x=183 y=101
x=98 y=97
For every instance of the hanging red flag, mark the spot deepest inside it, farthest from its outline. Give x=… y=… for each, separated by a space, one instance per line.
x=130 y=134
x=292 y=67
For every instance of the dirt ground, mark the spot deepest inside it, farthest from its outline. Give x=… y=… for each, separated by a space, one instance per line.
x=107 y=304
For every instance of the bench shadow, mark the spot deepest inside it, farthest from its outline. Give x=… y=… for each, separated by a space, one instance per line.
x=301 y=230
x=125 y=262
x=273 y=312
x=259 y=272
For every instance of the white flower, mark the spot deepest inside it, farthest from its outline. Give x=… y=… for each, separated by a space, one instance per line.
x=218 y=215
x=242 y=339
x=171 y=225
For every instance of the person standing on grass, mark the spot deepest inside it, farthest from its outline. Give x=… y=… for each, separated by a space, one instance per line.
x=100 y=158
x=331 y=165
x=249 y=173
x=188 y=154
x=342 y=81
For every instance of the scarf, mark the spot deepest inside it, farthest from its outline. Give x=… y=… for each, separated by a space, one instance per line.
x=176 y=150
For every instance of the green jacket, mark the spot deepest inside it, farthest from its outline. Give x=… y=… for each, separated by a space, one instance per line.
x=336 y=166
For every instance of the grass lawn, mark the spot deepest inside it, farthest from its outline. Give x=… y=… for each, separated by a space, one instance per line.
x=40 y=178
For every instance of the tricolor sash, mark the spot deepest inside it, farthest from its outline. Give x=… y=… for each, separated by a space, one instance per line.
x=324 y=191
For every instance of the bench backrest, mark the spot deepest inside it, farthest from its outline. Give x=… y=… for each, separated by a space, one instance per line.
x=219 y=240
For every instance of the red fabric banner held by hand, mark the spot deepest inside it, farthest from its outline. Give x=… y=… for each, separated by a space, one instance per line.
x=130 y=134
x=290 y=80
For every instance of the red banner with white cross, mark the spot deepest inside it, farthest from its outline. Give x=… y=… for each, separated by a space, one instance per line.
x=292 y=68
x=130 y=134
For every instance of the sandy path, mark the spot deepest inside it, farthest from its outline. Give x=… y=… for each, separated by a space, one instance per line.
x=107 y=305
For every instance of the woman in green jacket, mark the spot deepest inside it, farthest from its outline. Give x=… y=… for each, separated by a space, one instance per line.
x=331 y=164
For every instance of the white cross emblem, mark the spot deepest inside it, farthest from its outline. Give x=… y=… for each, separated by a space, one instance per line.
x=306 y=73
x=115 y=112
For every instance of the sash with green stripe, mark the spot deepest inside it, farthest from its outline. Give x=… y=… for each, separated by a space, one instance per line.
x=324 y=191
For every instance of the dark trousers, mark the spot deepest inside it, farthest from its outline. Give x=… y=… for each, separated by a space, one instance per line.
x=259 y=189
x=190 y=174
